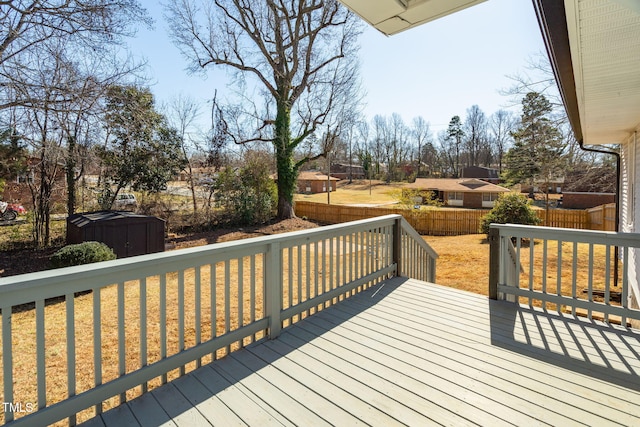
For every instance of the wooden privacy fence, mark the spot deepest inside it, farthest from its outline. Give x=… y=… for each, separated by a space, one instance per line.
x=453 y=222
x=602 y=217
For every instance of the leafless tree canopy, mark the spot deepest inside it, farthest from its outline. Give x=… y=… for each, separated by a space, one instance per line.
x=27 y=23
x=299 y=54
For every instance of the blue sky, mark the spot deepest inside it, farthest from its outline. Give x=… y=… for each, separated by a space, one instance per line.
x=436 y=71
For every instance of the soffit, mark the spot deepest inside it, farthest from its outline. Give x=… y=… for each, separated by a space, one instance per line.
x=393 y=16
x=604 y=36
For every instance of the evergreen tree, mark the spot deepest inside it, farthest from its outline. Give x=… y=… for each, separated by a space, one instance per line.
x=454 y=137
x=537 y=153
x=142 y=150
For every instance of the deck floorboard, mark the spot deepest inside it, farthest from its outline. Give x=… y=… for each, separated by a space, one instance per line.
x=412 y=353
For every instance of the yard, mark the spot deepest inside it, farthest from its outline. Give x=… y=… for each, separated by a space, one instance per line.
x=362 y=191
x=463 y=264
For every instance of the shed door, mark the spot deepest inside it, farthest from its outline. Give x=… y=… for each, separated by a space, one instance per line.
x=136 y=243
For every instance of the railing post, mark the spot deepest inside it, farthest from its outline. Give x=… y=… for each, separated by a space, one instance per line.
x=397 y=245
x=494 y=262
x=273 y=289
x=432 y=270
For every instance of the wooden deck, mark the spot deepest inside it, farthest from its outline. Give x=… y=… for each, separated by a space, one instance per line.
x=416 y=354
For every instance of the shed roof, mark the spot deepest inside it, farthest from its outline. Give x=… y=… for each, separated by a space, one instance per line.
x=82 y=219
x=463 y=185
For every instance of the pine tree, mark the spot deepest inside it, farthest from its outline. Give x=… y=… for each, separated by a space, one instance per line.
x=537 y=153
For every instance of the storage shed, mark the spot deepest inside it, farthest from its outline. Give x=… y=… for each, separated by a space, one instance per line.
x=127 y=233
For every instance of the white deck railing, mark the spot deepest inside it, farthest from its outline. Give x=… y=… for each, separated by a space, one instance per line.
x=571 y=271
x=78 y=340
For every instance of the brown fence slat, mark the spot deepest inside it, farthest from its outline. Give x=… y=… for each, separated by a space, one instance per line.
x=454 y=222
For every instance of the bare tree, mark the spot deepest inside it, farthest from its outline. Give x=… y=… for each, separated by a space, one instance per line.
x=501 y=124
x=475 y=127
x=88 y=28
x=301 y=54
x=422 y=135
x=397 y=147
x=182 y=111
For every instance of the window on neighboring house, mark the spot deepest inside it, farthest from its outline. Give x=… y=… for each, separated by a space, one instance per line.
x=455 y=195
x=24 y=179
x=490 y=197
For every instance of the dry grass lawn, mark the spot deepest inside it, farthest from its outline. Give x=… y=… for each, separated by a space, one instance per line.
x=358 y=192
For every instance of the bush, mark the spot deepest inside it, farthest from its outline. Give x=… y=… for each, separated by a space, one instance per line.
x=82 y=253
x=510 y=208
x=247 y=195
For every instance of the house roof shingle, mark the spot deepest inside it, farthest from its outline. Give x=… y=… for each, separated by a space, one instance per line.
x=463 y=185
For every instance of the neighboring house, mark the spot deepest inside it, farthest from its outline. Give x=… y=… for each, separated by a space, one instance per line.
x=486 y=174
x=586 y=189
x=460 y=192
x=594 y=50
x=311 y=182
x=586 y=200
x=17 y=188
x=346 y=171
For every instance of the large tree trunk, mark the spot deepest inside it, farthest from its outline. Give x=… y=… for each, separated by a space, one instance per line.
x=287 y=172
x=70 y=174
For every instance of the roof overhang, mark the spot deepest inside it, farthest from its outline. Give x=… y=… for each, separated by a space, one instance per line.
x=393 y=16
x=594 y=48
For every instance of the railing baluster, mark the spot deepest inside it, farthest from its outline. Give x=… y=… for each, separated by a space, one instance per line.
x=213 y=269
x=332 y=242
x=344 y=261
x=240 y=280
x=559 y=275
x=607 y=280
x=324 y=265
x=625 y=282
x=290 y=274
x=40 y=355
x=181 y=315
x=299 y=299
x=316 y=273
x=97 y=344
x=574 y=277
x=356 y=257
x=227 y=300
x=197 y=290
x=252 y=289
x=545 y=259
x=71 y=349
x=590 y=283
x=163 y=321
x=7 y=360
x=143 y=328
x=121 y=337
x=308 y=275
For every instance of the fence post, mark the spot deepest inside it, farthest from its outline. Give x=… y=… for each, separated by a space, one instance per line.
x=273 y=289
x=494 y=262
x=397 y=245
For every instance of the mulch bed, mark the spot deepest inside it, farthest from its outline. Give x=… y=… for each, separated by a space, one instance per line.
x=31 y=260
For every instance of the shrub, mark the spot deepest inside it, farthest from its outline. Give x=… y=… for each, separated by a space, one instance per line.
x=247 y=195
x=510 y=208
x=82 y=253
